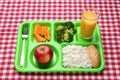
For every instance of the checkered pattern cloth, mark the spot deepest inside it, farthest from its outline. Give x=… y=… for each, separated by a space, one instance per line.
x=12 y=13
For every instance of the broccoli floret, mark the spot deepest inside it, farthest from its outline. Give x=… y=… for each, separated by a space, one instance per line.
x=59 y=36
x=65 y=32
x=72 y=30
x=67 y=37
x=60 y=27
x=59 y=39
x=69 y=24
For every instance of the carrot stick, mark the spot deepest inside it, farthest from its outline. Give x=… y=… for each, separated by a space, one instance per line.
x=43 y=39
x=37 y=37
x=39 y=30
x=42 y=32
x=36 y=28
x=48 y=34
x=45 y=32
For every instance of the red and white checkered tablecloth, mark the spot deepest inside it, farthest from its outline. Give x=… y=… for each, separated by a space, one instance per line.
x=12 y=13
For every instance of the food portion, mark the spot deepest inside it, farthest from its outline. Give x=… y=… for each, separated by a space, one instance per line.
x=75 y=56
x=93 y=55
x=41 y=33
x=43 y=54
x=65 y=32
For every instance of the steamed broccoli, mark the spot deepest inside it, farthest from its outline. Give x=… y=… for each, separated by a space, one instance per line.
x=70 y=27
x=59 y=38
x=67 y=37
x=65 y=32
x=69 y=24
x=72 y=30
x=59 y=29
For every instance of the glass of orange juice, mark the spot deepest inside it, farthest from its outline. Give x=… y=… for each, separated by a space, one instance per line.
x=88 y=22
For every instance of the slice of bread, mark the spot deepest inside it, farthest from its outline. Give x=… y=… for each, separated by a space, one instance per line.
x=93 y=55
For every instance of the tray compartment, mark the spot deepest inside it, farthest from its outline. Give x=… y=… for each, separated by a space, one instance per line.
x=42 y=23
x=101 y=66
x=95 y=38
x=49 y=65
x=56 y=23
x=19 y=48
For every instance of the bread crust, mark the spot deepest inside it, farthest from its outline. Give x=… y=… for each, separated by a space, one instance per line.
x=93 y=55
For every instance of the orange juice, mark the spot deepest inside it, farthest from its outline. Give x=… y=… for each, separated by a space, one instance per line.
x=88 y=23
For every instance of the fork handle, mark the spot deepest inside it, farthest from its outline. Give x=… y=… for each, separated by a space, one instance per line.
x=22 y=56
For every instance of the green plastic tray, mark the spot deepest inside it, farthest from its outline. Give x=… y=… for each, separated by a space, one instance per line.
x=56 y=64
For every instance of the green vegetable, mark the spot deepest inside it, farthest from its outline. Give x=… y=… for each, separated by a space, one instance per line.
x=72 y=30
x=69 y=25
x=67 y=37
x=60 y=27
x=59 y=38
x=65 y=32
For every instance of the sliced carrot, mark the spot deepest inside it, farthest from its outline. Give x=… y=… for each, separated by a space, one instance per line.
x=36 y=28
x=45 y=31
x=42 y=31
x=39 y=30
x=48 y=34
x=43 y=39
x=46 y=28
x=37 y=37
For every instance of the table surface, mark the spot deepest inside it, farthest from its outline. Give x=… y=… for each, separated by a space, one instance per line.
x=12 y=13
